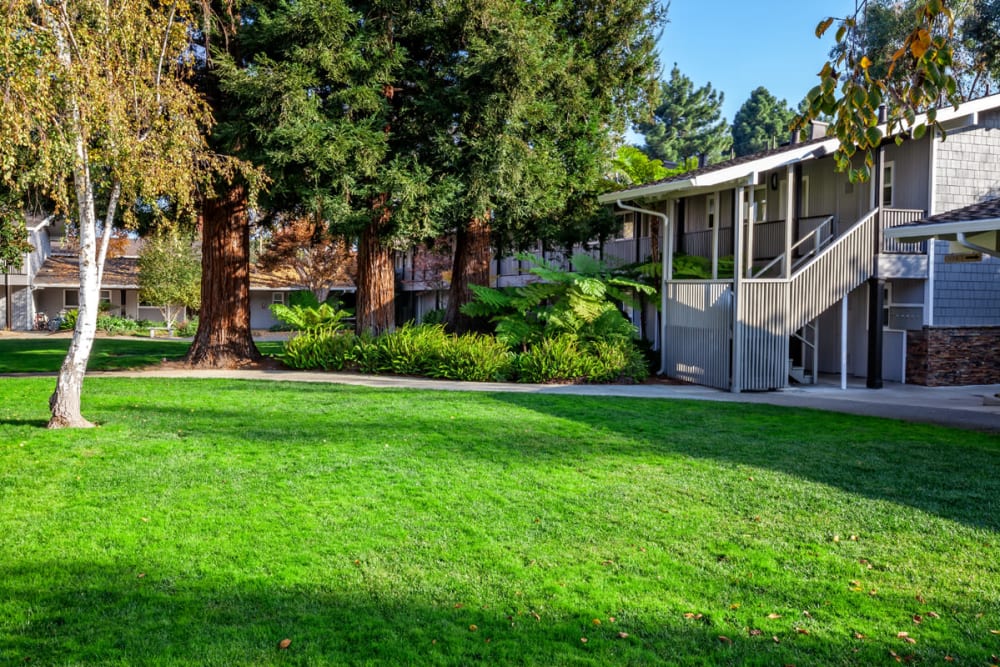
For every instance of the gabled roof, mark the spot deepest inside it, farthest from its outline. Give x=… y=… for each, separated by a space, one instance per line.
x=64 y=271
x=123 y=273
x=978 y=224
x=742 y=168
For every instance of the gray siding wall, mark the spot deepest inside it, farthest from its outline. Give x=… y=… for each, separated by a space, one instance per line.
x=910 y=161
x=968 y=170
x=966 y=294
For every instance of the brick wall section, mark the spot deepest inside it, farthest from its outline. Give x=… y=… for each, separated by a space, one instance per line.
x=968 y=170
x=952 y=356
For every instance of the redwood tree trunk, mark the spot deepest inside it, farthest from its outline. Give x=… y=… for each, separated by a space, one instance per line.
x=224 y=338
x=471 y=266
x=376 y=283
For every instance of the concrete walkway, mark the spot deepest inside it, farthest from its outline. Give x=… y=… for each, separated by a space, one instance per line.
x=961 y=407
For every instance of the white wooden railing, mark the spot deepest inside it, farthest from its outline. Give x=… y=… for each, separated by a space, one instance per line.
x=771 y=310
x=894 y=217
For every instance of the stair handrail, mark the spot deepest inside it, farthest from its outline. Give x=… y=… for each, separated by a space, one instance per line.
x=818 y=242
x=841 y=238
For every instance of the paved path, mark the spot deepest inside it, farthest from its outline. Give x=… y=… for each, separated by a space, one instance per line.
x=951 y=406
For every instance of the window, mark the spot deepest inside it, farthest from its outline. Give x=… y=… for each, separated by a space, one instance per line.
x=711 y=212
x=626 y=225
x=888 y=183
x=760 y=199
x=71 y=297
x=278 y=297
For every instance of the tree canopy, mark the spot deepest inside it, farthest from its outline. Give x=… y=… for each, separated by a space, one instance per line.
x=687 y=122
x=762 y=122
x=918 y=77
x=170 y=273
x=97 y=109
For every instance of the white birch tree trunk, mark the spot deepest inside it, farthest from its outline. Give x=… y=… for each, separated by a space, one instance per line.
x=65 y=402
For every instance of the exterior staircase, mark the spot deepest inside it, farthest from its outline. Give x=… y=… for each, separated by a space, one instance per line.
x=770 y=311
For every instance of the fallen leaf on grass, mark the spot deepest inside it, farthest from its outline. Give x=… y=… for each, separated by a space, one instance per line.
x=755 y=632
x=905 y=636
x=693 y=615
x=284 y=643
x=535 y=614
x=596 y=621
x=933 y=614
x=948 y=658
x=807 y=614
x=583 y=640
x=473 y=627
x=622 y=635
x=775 y=640
x=725 y=640
x=458 y=605
x=611 y=619
x=918 y=619
x=858 y=635
x=141 y=575
x=735 y=605
x=854 y=582
x=920 y=599
x=802 y=631
x=995 y=632
x=773 y=616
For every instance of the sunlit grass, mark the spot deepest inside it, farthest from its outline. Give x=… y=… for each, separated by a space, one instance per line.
x=205 y=521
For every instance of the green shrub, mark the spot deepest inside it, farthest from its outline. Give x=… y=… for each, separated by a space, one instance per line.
x=412 y=350
x=566 y=359
x=116 y=325
x=474 y=358
x=434 y=317
x=323 y=317
x=556 y=359
x=319 y=349
x=69 y=319
x=188 y=328
x=618 y=361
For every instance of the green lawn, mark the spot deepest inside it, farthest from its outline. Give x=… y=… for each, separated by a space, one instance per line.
x=45 y=354
x=206 y=521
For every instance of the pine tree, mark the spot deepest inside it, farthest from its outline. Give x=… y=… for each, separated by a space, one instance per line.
x=687 y=122
x=762 y=122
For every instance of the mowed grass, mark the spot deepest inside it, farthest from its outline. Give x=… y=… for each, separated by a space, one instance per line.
x=206 y=521
x=44 y=354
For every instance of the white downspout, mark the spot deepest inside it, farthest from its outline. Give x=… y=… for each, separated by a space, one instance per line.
x=663 y=292
x=966 y=243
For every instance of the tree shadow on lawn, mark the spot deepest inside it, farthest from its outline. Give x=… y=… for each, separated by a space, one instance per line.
x=70 y=612
x=949 y=473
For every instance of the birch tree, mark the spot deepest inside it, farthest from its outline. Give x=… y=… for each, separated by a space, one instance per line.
x=96 y=113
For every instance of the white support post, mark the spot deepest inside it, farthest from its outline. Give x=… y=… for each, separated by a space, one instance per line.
x=735 y=385
x=749 y=243
x=714 y=213
x=815 y=367
x=786 y=264
x=843 y=342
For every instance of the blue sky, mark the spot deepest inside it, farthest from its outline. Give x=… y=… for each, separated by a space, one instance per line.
x=738 y=45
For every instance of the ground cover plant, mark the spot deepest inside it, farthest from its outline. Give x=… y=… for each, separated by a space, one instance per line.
x=403 y=527
x=44 y=354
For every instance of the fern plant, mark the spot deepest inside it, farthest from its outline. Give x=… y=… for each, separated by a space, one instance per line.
x=312 y=319
x=582 y=303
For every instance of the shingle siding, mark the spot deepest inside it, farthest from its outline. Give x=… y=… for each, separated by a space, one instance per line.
x=965 y=294
x=968 y=170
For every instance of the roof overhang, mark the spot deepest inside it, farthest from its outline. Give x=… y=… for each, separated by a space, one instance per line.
x=982 y=235
x=746 y=172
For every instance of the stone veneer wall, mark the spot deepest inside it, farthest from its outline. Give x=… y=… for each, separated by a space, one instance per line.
x=952 y=356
